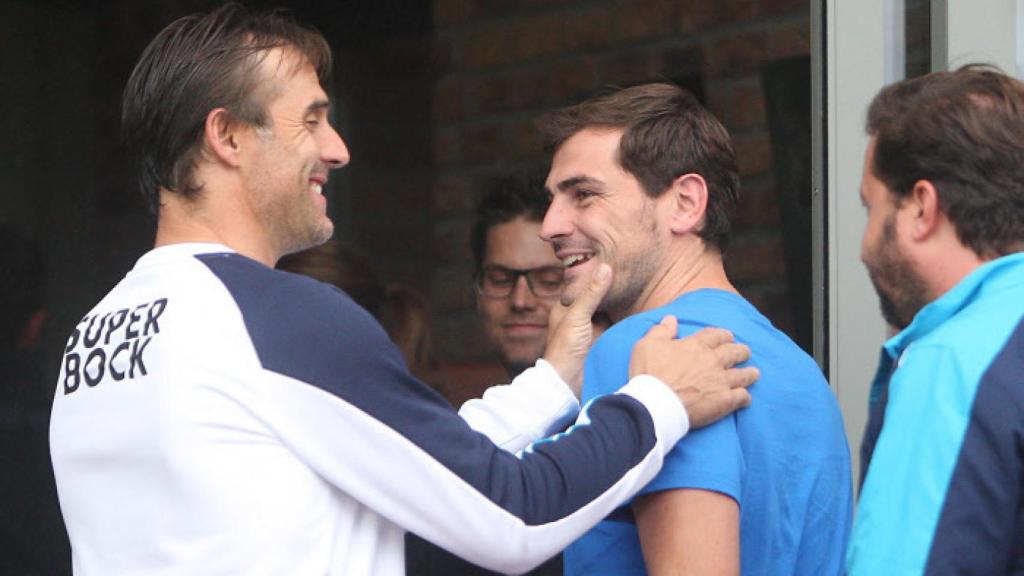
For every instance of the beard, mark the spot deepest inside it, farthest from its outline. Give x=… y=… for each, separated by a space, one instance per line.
x=292 y=219
x=901 y=290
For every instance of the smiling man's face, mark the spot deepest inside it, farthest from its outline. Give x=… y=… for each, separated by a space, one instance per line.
x=600 y=213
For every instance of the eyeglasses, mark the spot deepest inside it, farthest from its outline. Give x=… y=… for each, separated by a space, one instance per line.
x=498 y=281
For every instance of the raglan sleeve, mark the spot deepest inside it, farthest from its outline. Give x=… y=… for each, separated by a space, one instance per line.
x=338 y=395
x=943 y=491
x=535 y=405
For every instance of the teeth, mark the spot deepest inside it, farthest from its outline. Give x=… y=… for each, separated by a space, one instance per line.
x=573 y=260
x=317 y=188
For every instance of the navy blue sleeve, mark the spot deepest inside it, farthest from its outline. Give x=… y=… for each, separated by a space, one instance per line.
x=313 y=333
x=981 y=524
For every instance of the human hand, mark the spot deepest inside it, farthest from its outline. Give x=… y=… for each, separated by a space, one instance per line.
x=698 y=368
x=571 y=333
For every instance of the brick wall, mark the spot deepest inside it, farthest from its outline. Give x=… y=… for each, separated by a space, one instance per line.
x=502 y=63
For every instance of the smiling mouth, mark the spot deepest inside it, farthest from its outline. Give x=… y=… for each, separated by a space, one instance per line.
x=575 y=260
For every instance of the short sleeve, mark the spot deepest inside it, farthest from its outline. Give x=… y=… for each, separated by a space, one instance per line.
x=706 y=459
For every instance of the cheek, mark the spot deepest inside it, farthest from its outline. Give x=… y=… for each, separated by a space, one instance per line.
x=867 y=240
x=491 y=311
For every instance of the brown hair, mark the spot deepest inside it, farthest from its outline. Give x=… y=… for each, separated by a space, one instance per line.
x=963 y=131
x=518 y=195
x=197 y=64
x=666 y=133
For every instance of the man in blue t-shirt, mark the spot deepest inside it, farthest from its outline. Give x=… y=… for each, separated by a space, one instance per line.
x=644 y=179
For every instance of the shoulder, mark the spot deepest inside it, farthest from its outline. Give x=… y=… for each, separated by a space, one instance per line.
x=293 y=319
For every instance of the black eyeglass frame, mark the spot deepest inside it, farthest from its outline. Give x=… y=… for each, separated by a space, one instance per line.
x=531 y=281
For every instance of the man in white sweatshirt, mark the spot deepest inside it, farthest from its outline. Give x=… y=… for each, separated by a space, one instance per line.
x=216 y=416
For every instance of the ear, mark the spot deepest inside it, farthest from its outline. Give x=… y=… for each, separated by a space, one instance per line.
x=688 y=196
x=221 y=136
x=922 y=209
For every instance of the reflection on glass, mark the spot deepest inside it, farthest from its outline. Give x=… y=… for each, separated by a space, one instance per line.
x=917 y=30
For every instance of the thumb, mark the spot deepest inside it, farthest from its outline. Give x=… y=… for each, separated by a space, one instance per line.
x=588 y=300
x=667 y=329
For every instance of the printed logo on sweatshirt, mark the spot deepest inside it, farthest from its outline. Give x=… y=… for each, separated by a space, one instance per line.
x=112 y=344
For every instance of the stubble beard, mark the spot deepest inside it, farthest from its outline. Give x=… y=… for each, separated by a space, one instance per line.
x=295 y=220
x=901 y=290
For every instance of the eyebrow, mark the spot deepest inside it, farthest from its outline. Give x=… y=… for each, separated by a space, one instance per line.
x=317 y=106
x=576 y=181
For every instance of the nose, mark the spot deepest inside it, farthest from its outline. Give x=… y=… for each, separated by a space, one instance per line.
x=333 y=151
x=522 y=297
x=556 y=222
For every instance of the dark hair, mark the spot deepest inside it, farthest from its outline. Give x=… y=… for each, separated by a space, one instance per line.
x=510 y=197
x=666 y=133
x=21 y=283
x=962 y=131
x=195 y=65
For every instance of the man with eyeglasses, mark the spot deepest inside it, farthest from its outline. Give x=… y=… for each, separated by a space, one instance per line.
x=517 y=277
x=517 y=280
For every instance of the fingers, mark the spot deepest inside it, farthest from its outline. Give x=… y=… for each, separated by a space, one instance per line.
x=586 y=303
x=713 y=337
x=738 y=398
x=740 y=378
x=714 y=406
x=664 y=330
x=732 y=354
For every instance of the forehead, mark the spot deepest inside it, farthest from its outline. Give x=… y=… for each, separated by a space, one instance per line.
x=869 y=183
x=517 y=244
x=591 y=150
x=290 y=78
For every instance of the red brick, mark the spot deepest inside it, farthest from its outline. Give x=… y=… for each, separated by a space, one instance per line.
x=466 y=380
x=773 y=7
x=448 y=102
x=451 y=289
x=758 y=207
x=773 y=300
x=568 y=80
x=753 y=152
x=535 y=36
x=588 y=27
x=508 y=91
x=447 y=146
x=460 y=337
x=449 y=12
x=451 y=242
x=639 y=19
x=701 y=15
x=739 y=104
x=734 y=54
x=483 y=143
x=788 y=41
x=627 y=68
x=442 y=54
x=755 y=257
x=455 y=195
x=504 y=7
x=698 y=15
x=523 y=139
x=484 y=46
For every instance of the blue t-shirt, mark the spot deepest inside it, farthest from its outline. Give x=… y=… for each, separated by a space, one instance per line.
x=784 y=459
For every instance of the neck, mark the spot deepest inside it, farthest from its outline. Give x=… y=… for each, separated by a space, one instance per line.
x=693 y=267
x=945 y=268
x=202 y=220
